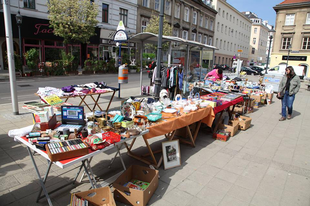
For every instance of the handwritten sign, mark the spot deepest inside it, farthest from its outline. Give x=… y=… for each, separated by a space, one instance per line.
x=53 y=100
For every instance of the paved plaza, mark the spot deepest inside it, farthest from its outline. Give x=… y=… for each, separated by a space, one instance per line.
x=266 y=165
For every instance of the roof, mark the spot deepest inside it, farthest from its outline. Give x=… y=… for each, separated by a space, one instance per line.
x=147 y=37
x=293 y=1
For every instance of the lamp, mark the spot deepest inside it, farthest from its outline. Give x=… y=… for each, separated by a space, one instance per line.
x=270 y=34
x=288 y=53
x=19 y=21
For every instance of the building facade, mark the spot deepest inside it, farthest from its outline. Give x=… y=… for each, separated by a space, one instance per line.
x=258 y=39
x=232 y=34
x=190 y=20
x=292 y=37
x=36 y=33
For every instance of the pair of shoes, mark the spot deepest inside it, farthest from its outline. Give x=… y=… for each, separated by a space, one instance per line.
x=282 y=119
x=289 y=116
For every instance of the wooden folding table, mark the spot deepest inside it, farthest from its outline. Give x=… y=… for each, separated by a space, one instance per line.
x=168 y=128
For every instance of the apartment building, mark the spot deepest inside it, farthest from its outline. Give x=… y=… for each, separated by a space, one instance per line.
x=232 y=34
x=292 y=37
x=190 y=20
x=36 y=33
x=258 y=39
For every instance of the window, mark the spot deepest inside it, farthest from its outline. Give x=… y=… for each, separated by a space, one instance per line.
x=185 y=34
x=221 y=44
x=219 y=12
x=308 y=18
x=168 y=7
x=230 y=46
x=306 y=42
x=201 y=21
x=224 y=45
x=255 y=30
x=145 y=3
x=216 y=42
x=225 y=29
x=186 y=14
x=105 y=13
x=210 y=41
x=195 y=17
x=218 y=26
x=144 y=23
x=286 y=42
x=30 y=4
x=176 y=11
x=289 y=19
x=156 y=5
x=227 y=16
x=254 y=40
x=223 y=15
x=222 y=27
x=205 y=40
x=253 y=50
x=123 y=16
x=233 y=19
x=227 y=46
x=194 y=36
x=211 y=25
x=230 y=18
x=176 y=32
x=199 y=38
x=229 y=31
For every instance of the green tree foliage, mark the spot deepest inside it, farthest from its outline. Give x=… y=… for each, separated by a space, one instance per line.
x=73 y=20
x=153 y=27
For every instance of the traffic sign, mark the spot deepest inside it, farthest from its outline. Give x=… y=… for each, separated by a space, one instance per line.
x=239 y=50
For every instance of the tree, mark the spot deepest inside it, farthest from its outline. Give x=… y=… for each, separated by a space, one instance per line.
x=153 y=27
x=73 y=20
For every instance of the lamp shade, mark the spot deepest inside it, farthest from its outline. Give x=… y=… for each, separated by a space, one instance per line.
x=19 y=18
x=271 y=32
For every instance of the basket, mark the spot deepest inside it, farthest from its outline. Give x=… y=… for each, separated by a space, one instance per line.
x=153 y=117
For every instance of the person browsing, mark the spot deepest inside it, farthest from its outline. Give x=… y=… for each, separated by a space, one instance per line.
x=215 y=74
x=289 y=85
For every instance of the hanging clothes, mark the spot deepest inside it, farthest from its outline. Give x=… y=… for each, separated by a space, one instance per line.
x=180 y=79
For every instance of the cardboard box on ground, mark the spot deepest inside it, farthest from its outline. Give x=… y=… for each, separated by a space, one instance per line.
x=244 y=122
x=97 y=197
x=231 y=127
x=133 y=196
x=257 y=100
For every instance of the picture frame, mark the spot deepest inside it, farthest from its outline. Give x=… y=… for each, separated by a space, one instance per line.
x=171 y=154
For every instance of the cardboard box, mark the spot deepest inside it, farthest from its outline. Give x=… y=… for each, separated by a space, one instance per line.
x=98 y=197
x=257 y=99
x=240 y=109
x=232 y=127
x=244 y=122
x=133 y=196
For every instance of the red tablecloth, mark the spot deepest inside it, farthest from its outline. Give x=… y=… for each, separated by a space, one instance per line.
x=227 y=104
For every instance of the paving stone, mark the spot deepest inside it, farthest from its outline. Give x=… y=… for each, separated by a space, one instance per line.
x=198 y=202
x=248 y=183
x=227 y=176
x=208 y=169
x=241 y=193
x=211 y=195
x=190 y=187
x=219 y=160
x=200 y=178
x=232 y=201
x=178 y=197
x=219 y=184
x=236 y=165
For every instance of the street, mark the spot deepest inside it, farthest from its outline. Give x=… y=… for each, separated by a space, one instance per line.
x=27 y=86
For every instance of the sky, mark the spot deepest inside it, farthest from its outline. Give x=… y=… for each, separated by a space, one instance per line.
x=263 y=8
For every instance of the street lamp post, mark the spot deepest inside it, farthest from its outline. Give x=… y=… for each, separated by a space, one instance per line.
x=270 y=41
x=288 y=54
x=19 y=21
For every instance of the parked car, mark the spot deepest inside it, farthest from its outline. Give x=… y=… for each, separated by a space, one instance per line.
x=260 y=70
x=248 y=71
x=225 y=66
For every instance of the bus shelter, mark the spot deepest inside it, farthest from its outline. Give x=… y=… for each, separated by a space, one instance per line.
x=196 y=58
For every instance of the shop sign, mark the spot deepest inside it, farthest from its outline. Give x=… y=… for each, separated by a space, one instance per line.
x=42 y=29
x=295 y=58
x=120 y=35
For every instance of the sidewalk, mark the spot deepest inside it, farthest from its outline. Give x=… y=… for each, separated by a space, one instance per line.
x=268 y=164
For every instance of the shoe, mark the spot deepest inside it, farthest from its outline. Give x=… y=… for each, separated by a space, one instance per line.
x=282 y=119
x=289 y=116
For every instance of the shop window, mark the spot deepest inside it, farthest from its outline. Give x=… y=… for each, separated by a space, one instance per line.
x=49 y=43
x=286 y=42
x=30 y=4
x=306 y=43
x=124 y=16
x=105 y=13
